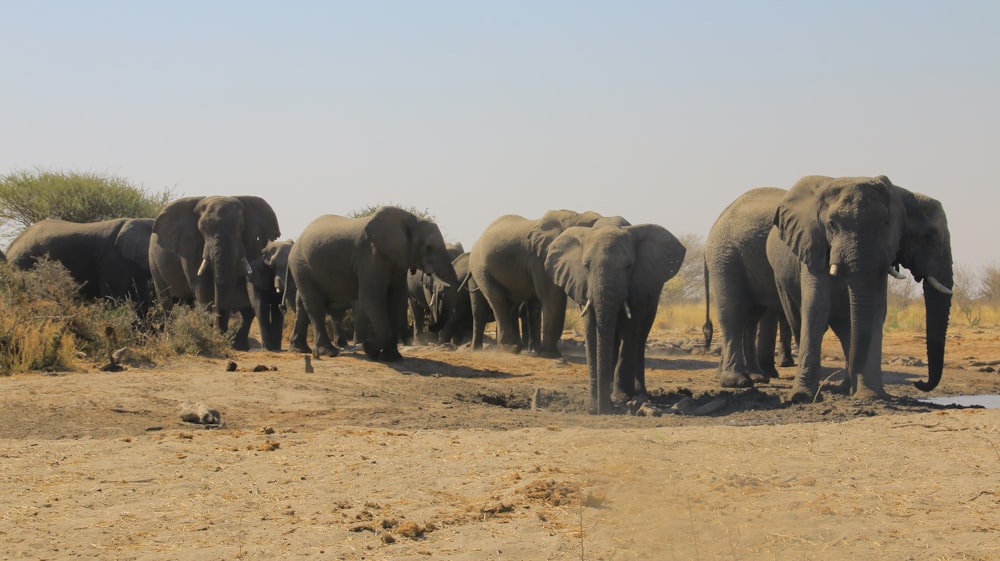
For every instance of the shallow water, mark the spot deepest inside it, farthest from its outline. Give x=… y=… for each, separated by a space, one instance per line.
x=989 y=401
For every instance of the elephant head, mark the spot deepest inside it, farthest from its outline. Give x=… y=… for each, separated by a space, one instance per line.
x=266 y=286
x=410 y=242
x=925 y=249
x=616 y=274
x=850 y=228
x=215 y=237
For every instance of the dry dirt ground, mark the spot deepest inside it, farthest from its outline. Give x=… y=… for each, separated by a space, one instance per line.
x=441 y=456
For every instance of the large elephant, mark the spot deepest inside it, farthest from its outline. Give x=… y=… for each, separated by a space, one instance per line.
x=109 y=259
x=507 y=264
x=834 y=243
x=339 y=260
x=201 y=252
x=616 y=274
x=739 y=279
x=431 y=301
x=266 y=288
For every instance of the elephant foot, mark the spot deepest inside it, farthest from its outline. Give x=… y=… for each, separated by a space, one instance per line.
x=548 y=353
x=390 y=354
x=513 y=349
x=241 y=345
x=864 y=392
x=735 y=380
x=785 y=361
x=760 y=378
x=804 y=394
x=300 y=348
x=326 y=350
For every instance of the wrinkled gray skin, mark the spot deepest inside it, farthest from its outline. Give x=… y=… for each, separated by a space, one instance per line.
x=200 y=252
x=109 y=259
x=507 y=265
x=266 y=288
x=834 y=243
x=338 y=260
x=616 y=275
x=739 y=279
x=431 y=302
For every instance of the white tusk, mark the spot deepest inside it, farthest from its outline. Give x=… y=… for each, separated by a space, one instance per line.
x=586 y=308
x=203 y=268
x=896 y=274
x=277 y=285
x=246 y=263
x=434 y=298
x=628 y=311
x=938 y=286
x=833 y=270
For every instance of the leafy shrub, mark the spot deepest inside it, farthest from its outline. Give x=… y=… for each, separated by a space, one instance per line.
x=29 y=196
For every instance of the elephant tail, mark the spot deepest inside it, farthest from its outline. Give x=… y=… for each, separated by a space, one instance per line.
x=707 y=329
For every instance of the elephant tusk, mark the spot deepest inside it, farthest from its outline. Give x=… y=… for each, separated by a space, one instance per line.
x=464 y=282
x=938 y=286
x=203 y=267
x=628 y=311
x=434 y=298
x=896 y=274
x=246 y=265
x=833 y=270
x=586 y=308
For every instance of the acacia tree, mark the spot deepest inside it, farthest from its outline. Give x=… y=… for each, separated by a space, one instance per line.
x=29 y=196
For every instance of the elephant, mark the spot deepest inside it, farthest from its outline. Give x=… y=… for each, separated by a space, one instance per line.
x=507 y=265
x=431 y=300
x=339 y=260
x=738 y=277
x=109 y=259
x=834 y=242
x=266 y=288
x=201 y=252
x=3 y=258
x=616 y=274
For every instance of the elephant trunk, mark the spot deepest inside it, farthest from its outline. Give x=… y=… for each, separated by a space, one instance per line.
x=608 y=307
x=937 y=305
x=441 y=304
x=227 y=266
x=861 y=288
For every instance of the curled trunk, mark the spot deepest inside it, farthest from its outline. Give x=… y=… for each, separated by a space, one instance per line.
x=938 y=308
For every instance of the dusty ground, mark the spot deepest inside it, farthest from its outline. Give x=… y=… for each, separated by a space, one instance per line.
x=442 y=457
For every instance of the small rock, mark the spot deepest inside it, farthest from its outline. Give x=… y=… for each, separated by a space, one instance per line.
x=231 y=366
x=261 y=368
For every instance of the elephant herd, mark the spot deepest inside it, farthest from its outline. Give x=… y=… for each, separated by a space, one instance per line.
x=795 y=262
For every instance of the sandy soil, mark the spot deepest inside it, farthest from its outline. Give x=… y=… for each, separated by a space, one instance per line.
x=442 y=456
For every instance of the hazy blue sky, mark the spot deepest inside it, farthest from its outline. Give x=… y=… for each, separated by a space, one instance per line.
x=658 y=111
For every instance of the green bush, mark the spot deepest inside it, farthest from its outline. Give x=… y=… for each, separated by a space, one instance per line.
x=29 y=196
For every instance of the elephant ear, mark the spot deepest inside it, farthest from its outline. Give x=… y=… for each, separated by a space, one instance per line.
x=797 y=219
x=390 y=231
x=925 y=248
x=564 y=263
x=553 y=223
x=176 y=227
x=132 y=241
x=260 y=224
x=658 y=255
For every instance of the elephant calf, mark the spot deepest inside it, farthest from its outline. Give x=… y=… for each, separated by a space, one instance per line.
x=616 y=274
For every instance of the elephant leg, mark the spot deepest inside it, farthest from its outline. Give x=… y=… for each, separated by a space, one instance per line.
x=374 y=306
x=315 y=311
x=785 y=357
x=815 y=312
x=553 y=321
x=766 y=338
x=841 y=327
x=298 y=342
x=242 y=340
x=480 y=317
x=504 y=310
x=397 y=311
x=630 y=375
x=737 y=328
